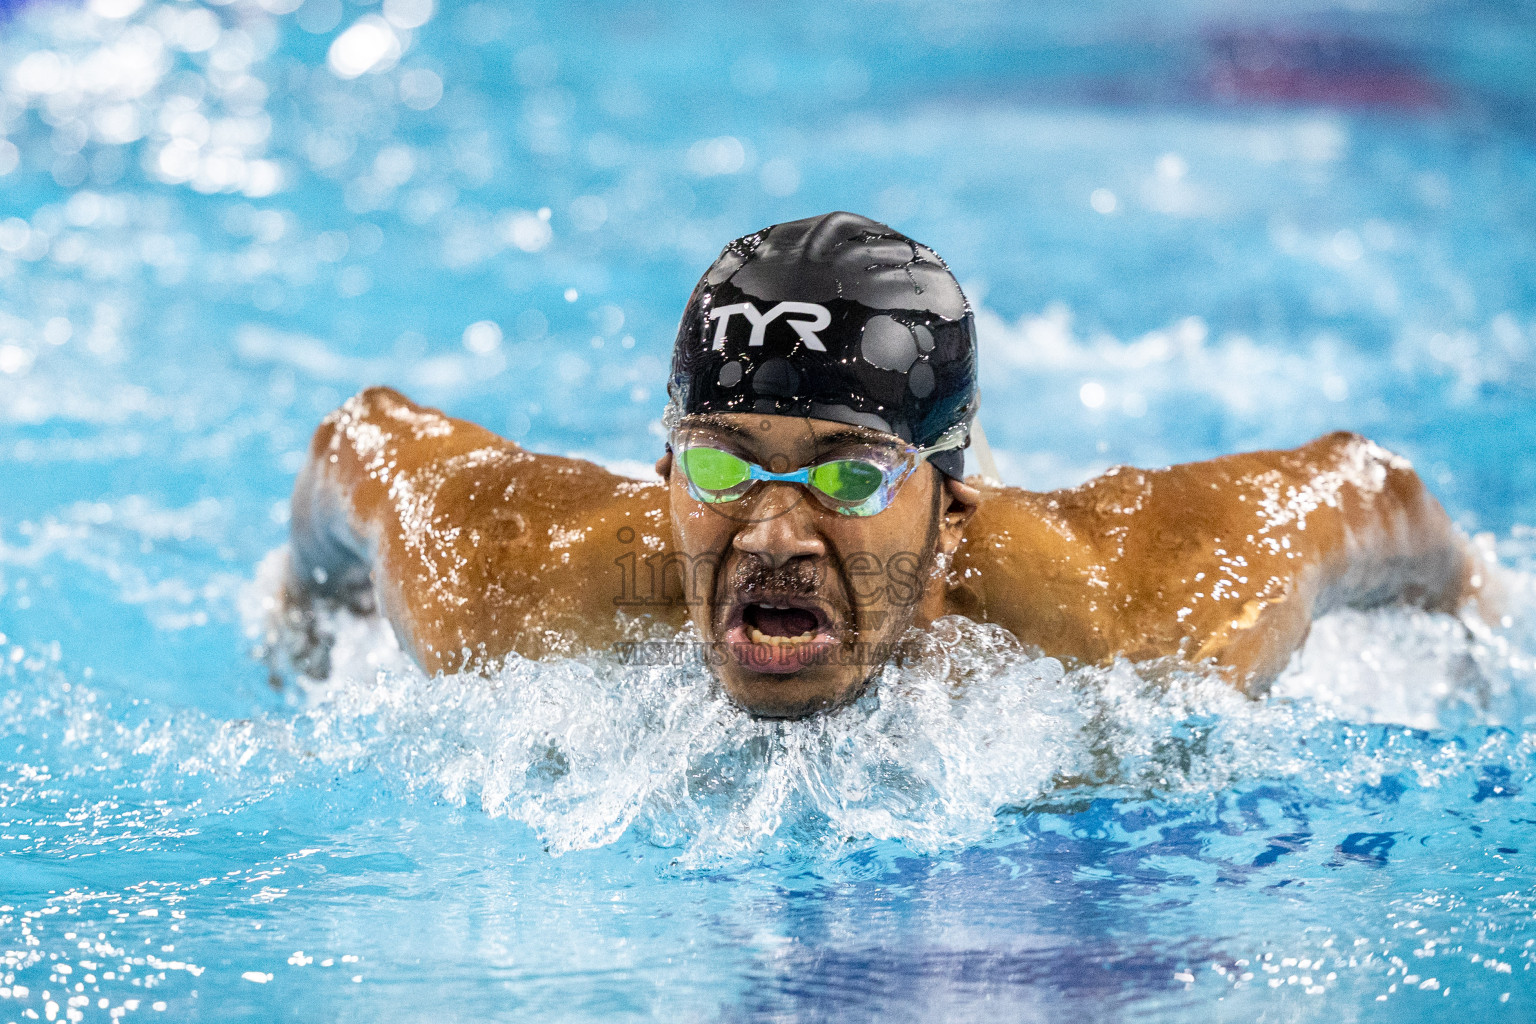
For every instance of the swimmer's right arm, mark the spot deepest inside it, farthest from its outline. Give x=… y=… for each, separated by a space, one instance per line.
x=470 y=547
x=344 y=515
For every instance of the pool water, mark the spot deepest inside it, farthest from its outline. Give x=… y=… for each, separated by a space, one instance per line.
x=1186 y=231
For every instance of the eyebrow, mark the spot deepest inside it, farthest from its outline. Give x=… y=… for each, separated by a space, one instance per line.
x=728 y=429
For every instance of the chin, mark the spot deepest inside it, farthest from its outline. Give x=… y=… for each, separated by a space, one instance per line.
x=797 y=695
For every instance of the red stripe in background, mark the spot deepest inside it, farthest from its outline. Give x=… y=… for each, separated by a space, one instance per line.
x=1295 y=68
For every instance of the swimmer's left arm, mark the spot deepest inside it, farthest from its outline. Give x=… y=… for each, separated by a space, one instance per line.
x=1282 y=537
x=1226 y=560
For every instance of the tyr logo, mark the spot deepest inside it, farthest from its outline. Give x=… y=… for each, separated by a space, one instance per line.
x=819 y=319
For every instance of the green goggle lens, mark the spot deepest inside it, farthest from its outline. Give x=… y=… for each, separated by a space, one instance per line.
x=714 y=470
x=849 y=480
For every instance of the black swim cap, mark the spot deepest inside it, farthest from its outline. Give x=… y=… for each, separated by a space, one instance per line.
x=835 y=317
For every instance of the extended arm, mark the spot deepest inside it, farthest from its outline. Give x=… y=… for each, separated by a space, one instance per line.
x=345 y=529
x=1338 y=523
x=1228 y=560
x=471 y=547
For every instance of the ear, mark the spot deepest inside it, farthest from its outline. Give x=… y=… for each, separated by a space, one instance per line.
x=958 y=504
x=664 y=465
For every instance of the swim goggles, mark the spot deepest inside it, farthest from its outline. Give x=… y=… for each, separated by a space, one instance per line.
x=861 y=482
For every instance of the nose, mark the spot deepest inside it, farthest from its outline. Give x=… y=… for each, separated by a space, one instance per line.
x=783 y=527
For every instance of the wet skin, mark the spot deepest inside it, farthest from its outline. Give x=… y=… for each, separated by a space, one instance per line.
x=473 y=548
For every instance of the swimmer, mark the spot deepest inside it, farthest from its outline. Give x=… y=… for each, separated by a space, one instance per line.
x=812 y=509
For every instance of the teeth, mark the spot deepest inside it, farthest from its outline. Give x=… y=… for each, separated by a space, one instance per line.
x=757 y=636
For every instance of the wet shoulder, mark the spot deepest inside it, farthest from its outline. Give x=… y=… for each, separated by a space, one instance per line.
x=1100 y=513
x=1014 y=524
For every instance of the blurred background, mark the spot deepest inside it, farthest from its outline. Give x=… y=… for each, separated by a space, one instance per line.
x=1187 y=228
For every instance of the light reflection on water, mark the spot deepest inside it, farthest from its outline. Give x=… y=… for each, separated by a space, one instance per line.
x=1236 y=227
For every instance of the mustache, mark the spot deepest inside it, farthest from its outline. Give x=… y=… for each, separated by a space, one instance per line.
x=792 y=579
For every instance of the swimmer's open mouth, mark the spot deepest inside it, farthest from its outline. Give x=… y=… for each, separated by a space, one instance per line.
x=780 y=623
x=778 y=634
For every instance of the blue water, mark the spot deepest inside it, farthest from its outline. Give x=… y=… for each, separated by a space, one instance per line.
x=1188 y=229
